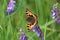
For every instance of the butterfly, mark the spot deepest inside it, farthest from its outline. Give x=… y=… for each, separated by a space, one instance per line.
x=31 y=19
x=32 y=23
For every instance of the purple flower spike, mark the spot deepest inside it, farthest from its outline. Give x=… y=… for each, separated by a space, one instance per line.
x=10 y=7
x=23 y=37
x=38 y=31
x=54 y=11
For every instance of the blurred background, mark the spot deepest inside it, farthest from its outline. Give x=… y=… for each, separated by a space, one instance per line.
x=11 y=24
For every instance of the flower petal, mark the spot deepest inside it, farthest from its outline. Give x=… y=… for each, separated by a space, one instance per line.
x=58 y=20
x=38 y=31
x=23 y=37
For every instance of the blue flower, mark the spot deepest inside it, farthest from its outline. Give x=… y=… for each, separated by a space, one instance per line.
x=58 y=20
x=23 y=37
x=55 y=13
x=38 y=31
x=10 y=7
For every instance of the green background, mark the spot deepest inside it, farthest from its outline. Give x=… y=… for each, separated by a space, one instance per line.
x=11 y=24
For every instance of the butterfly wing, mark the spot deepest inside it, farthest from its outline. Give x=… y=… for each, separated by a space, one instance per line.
x=31 y=18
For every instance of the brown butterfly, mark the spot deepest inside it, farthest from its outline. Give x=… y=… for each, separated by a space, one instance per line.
x=31 y=19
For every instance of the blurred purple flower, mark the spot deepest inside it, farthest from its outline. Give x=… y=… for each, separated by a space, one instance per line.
x=58 y=20
x=55 y=13
x=38 y=31
x=23 y=37
x=10 y=7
